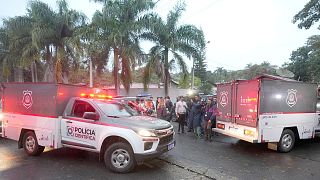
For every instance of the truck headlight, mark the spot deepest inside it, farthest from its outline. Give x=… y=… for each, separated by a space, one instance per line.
x=146 y=133
x=1 y=116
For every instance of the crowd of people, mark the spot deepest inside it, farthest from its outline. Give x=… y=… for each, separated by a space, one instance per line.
x=199 y=116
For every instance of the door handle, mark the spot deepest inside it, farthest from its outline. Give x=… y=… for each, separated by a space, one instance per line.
x=70 y=122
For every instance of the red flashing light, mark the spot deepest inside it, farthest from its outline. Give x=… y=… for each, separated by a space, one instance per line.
x=220 y=126
x=98 y=96
x=60 y=94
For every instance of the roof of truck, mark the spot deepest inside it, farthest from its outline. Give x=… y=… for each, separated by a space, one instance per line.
x=268 y=76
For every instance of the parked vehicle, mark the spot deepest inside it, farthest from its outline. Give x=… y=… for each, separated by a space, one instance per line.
x=269 y=110
x=56 y=115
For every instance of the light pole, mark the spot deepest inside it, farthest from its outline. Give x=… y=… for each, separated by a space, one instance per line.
x=192 y=80
x=90 y=74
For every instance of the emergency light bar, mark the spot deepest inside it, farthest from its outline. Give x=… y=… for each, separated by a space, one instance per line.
x=98 y=96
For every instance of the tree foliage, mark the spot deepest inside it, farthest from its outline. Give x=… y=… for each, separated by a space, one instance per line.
x=43 y=35
x=251 y=71
x=305 y=61
x=118 y=25
x=309 y=15
x=171 y=43
x=200 y=68
x=55 y=45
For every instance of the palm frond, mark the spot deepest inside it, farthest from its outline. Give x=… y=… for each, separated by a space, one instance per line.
x=191 y=35
x=174 y=15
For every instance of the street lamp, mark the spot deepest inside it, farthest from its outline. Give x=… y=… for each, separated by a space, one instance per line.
x=90 y=74
x=192 y=80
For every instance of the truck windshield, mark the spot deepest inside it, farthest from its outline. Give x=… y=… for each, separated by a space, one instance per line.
x=116 y=109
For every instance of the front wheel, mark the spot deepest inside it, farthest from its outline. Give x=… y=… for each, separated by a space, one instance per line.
x=30 y=144
x=119 y=158
x=287 y=141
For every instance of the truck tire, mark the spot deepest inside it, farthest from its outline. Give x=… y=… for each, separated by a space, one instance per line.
x=30 y=144
x=119 y=158
x=287 y=141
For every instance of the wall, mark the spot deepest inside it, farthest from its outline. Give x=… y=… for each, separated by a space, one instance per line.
x=157 y=92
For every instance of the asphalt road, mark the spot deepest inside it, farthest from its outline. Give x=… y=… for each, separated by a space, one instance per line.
x=224 y=158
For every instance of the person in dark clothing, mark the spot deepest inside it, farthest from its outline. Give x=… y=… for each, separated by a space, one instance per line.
x=196 y=115
x=169 y=106
x=190 y=122
x=209 y=118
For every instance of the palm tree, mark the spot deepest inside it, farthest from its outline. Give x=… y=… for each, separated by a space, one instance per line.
x=118 y=25
x=53 y=33
x=4 y=55
x=20 y=52
x=169 y=38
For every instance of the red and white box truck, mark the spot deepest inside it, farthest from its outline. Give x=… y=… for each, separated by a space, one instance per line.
x=268 y=109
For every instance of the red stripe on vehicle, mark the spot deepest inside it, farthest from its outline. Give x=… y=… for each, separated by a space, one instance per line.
x=37 y=115
x=287 y=113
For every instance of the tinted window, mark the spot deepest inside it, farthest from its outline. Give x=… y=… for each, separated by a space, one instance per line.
x=116 y=109
x=80 y=107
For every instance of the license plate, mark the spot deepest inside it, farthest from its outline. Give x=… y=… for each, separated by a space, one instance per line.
x=170 y=146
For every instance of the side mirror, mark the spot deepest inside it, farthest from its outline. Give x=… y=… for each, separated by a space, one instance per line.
x=91 y=115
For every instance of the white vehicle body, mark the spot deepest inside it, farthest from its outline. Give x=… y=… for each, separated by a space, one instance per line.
x=265 y=109
x=48 y=115
x=53 y=133
x=271 y=126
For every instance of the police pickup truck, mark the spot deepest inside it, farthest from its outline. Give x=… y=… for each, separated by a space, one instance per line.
x=39 y=115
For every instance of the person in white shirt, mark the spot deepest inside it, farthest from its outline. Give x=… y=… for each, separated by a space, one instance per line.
x=181 y=110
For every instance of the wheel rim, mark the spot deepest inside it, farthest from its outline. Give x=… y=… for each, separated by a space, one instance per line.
x=30 y=143
x=120 y=158
x=287 y=141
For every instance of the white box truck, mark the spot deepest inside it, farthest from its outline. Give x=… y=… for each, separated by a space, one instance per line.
x=268 y=109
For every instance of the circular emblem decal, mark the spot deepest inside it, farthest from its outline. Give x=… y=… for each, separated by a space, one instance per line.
x=70 y=131
x=292 y=97
x=27 y=99
x=224 y=98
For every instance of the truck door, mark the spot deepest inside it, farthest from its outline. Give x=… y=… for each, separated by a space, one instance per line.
x=77 y=130
x=246 y=105
x=224 y=102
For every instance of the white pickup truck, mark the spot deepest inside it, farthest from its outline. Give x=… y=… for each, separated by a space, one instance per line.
x=55 y=115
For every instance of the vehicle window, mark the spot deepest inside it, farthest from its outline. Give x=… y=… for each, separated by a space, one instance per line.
x=116 y=109
x=80 y=107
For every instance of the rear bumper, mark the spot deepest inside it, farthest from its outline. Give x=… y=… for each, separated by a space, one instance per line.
x=160 y=150
x=233 y=134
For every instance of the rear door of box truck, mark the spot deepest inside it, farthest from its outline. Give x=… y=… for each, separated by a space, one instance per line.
x=224 y=102
x=237 y=109
x=238 y=102
x=246 y=102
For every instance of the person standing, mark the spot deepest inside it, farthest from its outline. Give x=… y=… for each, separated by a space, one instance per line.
x=153 y=103
x=169 y=106
x=190 y=121
x=196 y=115
x=142 y=107
x=181 y=110
x=161 y=110
x=209 y=118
